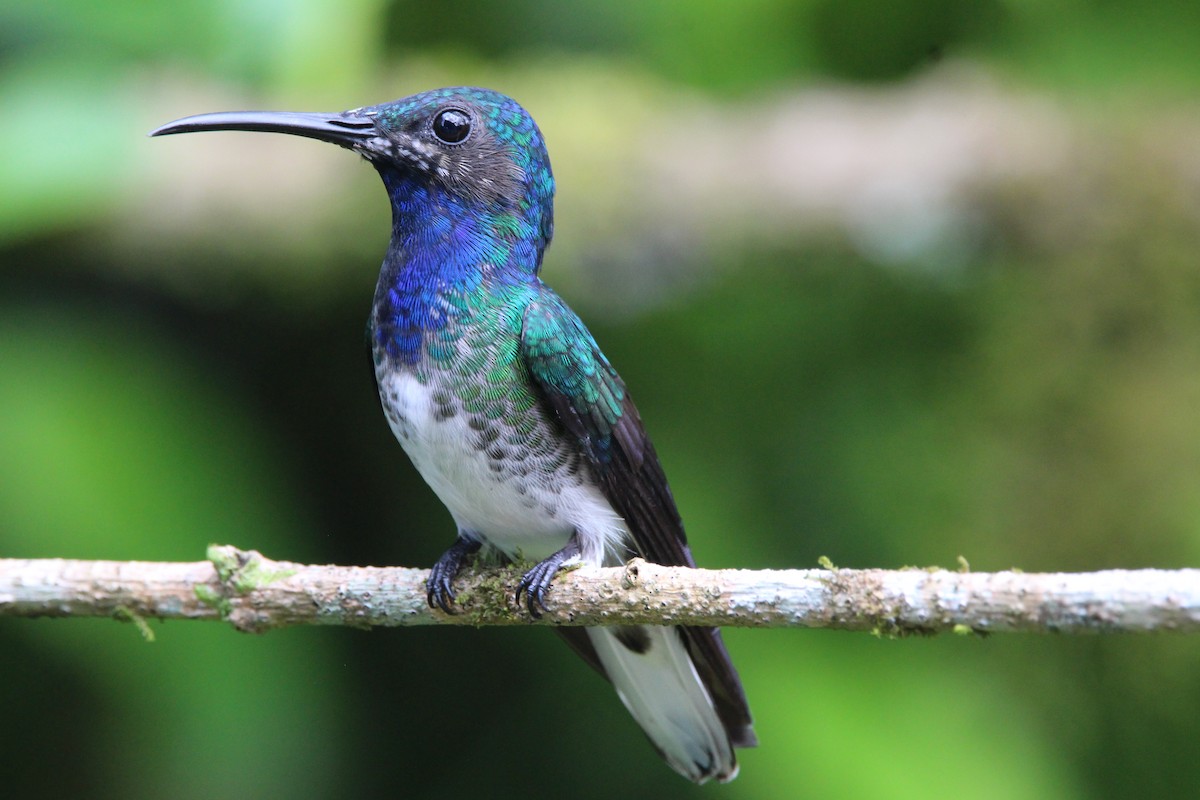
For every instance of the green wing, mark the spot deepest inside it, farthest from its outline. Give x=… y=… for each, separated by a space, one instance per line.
x=580 y=387
x=583 y=390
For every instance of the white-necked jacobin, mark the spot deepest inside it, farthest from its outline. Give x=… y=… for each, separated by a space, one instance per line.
x=502 y=399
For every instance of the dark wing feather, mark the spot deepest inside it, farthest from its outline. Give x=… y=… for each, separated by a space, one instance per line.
x=585 y=393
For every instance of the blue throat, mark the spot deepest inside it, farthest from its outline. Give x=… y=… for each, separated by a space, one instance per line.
x=443 y=245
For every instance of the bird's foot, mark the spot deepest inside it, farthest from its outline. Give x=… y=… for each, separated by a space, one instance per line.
x=536 y=582
x=438 y=589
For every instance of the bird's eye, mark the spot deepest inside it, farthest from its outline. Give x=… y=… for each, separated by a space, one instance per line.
x=452 y=126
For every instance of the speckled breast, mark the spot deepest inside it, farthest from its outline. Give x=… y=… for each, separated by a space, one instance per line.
x=473 y=426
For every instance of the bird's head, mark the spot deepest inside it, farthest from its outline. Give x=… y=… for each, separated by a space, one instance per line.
x=467 y=147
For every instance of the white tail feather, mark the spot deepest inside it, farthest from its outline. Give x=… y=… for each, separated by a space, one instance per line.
x=663 y=692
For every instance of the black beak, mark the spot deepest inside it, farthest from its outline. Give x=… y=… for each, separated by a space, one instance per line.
x=349 y=129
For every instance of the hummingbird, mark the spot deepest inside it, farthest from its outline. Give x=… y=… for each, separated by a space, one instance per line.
x=504 y=402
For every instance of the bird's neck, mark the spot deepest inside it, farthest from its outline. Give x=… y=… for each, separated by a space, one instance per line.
x=444 y=252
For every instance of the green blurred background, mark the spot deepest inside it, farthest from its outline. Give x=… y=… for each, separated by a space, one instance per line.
x=893 y=281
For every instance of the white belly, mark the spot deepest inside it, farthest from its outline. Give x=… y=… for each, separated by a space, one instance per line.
x=528 y=509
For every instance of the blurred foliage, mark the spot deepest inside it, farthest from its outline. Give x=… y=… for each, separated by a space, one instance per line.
x=181 y=363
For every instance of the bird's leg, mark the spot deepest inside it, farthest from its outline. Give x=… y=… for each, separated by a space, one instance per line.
x=536 y=581
x=438 y=591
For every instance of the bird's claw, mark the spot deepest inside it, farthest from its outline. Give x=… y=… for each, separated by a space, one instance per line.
x=439 y=592
x=439 y=588
x=536 y=582
x=534 y=585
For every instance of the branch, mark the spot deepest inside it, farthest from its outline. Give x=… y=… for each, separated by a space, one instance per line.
x=255 y=593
